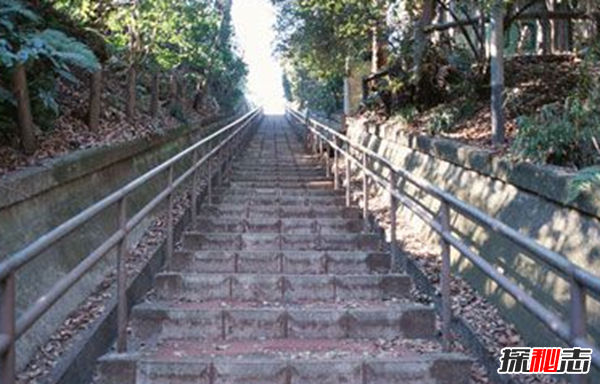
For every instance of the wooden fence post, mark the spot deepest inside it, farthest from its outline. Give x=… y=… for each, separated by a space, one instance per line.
x=24 y=118
x=95 y=105
x=497 y=72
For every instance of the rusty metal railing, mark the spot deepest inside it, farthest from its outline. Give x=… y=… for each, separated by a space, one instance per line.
x=573 y=332
x=215 y=151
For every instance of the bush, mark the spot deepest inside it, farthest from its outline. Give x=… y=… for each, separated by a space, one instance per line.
x=445 y=118
x=585 y=181
x=46 y=53
x=442 y=120
x=566 y=135
x=408 y=113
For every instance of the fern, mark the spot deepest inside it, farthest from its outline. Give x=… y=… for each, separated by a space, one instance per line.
x=65 y=51
x=15 y=9
x=585 y=181
x=6 y=96
x=48 y=54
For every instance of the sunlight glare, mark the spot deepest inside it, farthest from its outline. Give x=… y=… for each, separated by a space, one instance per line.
x=254 y=22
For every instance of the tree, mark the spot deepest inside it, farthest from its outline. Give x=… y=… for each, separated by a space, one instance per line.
x=316 y=37
x=25 y=45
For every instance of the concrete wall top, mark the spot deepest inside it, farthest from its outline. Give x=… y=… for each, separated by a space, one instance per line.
x=22 y=185
x=550 y=182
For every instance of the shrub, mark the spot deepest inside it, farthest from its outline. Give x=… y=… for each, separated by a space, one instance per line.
x=585 y=181
x=46 y=53
x=565 y=135
x=442 y=120
x=445 y=118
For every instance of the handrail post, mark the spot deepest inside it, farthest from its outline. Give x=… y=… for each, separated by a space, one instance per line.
x=227 y=159
x=336 y=171
x=578 y=317
x=170 y=235
x=320 y=141
x=365 y=193
x=209 y=180
x=394 y=223
x=348 y=181
x=8 y=368
x=218 y=158
x=195 y=190
x=122 y=280
x=445 y=279
x=327 y=162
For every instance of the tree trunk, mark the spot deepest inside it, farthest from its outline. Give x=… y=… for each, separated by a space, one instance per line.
x=24 y=118
x=497 y=72
x=131 y=92
x=544 y=38
x=173 y=92
x=95 y=100
x=420 y=45
x=559 y=30
x=379 y=49
x=483 y=53
x=155 y=95
x=590 y=28
x=347 y=89
x=181 y=93
x=198 y=97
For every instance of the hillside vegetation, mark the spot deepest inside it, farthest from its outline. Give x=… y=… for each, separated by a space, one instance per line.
x=81 y=73
x=428 y=65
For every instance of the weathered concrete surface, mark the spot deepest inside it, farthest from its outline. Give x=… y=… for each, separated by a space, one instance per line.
x=37 y=200
x=261 y=291
x=529 y=198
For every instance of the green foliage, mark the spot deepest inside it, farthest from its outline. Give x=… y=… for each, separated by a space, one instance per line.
x=561 y=135
x=192 y=39
x=408 y=113
x=567 y=134
x=47 y=53
x=445 y=118
x=63 y=51
x=314 y=39
x=584 y=182
x=442 y=120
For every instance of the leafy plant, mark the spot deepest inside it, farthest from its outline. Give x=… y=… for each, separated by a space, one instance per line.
x=46 y=53
x=445 y=118
x=561 y=135
x=408 y=113
x=585 y=181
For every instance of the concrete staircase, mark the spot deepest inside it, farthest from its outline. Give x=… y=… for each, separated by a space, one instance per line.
x=277 y=283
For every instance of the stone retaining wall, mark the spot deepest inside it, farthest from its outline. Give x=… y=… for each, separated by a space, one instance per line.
x=37 y=200
x=529 y=198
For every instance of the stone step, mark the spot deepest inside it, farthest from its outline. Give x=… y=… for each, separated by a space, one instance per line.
x=284 y=288
x=280 y=169
x=267 y=177
x=283 y=199
x=277 y=284
x=283 y=226
x=285 y=262
x=281 y=158
x=200 y=241
x=155 y=323
x=234 y=190
x=284 y=163
x=321 y=184
x=284 y=362
x=234 y=211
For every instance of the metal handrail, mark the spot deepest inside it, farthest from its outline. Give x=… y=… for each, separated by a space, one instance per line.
x=222 y=143
x=581 y=281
